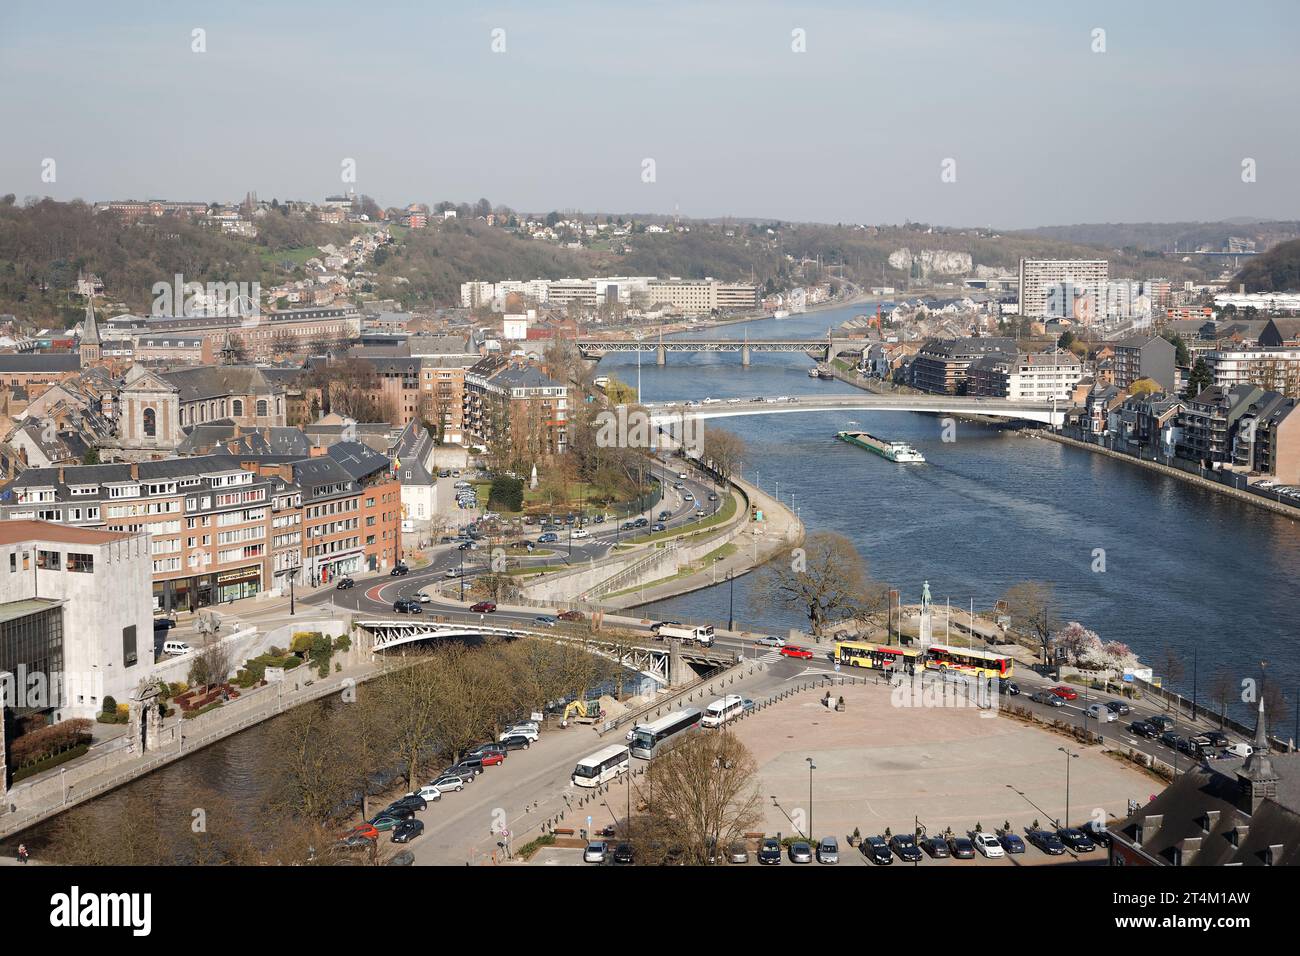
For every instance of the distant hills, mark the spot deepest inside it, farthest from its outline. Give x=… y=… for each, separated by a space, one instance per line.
x=1277 y=270
x=1169 y=237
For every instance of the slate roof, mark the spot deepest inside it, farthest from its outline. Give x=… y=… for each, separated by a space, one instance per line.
x=40 y=362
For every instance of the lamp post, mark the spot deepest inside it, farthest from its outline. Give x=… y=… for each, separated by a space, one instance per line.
x=1069 y=755
x=811 y=767
x=731 y=601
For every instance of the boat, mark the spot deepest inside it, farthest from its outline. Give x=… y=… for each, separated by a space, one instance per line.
x=781 y=314
x=814 y=372
x=826 y=374
x=897 y=451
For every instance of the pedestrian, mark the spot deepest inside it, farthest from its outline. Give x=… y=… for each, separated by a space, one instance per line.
x=22 y=853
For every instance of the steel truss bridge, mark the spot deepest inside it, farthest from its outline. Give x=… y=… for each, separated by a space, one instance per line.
x=654 y=661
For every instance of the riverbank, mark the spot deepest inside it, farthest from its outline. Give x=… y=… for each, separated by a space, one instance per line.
x=1277 y=507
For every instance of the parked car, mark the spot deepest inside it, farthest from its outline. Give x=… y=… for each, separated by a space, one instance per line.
x=483 y=750
x=1046 y=697
x=771 y=642
x=1142 y=728
x=407 y=830
x=1076 y=839
x=770 y=852
x=428 y=793
x=876 y=850
x=623 y=855
x=343 y=584
x=399 y=570
x=449 y=781
x=828 y=850
x=1047 y=841
x=1063 y=692
x=936 y=847
x=1118 y=707
x=483 y=607
x=570 y=616
x=1009 y=687
x=989 y=846
x=407 y=606
x=737 y=853
x=468 y=765
x=800 y=853
x=791 y=650
x=1011 y=842
x=364 y=831
x=515 y=742
x=905 y=848
x=409 y=802
x=390 y=818
x=1098 y=834
x=961 y=848
x=595 y=852
x=490 y=758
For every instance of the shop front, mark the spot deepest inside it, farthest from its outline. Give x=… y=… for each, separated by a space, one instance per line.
x=205 y=590
x=337 y=566
x=240 y=584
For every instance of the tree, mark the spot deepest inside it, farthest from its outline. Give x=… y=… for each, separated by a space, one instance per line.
x=1032 y=607
x=1199 y=379
x=507 y=493
x=703 y=793
x=1066 y=340
x=826 y=580
x=211 y=666
x=1223 y=689
x=1182 y=356
x=1144 y=386
x=1171 y=668
x=496 y=587
x=725 y=450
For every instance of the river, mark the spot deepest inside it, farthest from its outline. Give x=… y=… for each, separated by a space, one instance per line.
x=1185 y=568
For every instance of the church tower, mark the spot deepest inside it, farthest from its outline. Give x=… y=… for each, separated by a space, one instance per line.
x=90 y=344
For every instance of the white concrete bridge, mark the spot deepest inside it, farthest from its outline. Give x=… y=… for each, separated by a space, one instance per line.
x=820 y=349
x=666 y=414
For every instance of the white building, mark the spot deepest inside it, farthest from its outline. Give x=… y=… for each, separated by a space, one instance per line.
x=76 y=616
x=1036 y=275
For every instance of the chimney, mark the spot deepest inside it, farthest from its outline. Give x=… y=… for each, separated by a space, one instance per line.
x=135 y=471
x=60 y=474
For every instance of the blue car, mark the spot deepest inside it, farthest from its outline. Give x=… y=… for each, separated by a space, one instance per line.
x=549 y=538
x=1012 y=843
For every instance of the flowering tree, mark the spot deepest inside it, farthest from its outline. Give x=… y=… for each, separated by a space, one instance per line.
x=1080 y=645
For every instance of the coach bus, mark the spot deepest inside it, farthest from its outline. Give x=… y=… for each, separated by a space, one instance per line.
x=649 y=738
x=862 y=654
x=969 y=660
x=601 y=767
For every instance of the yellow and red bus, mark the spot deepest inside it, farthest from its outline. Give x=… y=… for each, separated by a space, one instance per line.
x=969 y=660
x=878 y=656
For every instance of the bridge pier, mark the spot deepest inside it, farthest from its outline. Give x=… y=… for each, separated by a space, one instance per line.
x=661 y=355
x=744 y=356
x=675 y=664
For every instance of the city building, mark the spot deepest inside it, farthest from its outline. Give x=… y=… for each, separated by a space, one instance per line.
x=1038 y=275
x=940 y=365
x=1027 y=376
x=1145 y=356
x=75 y=614
x=1269 y=368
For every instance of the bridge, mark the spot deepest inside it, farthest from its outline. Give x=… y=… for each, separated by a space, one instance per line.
x=822 y=350
x=660 y=662
x=668 y=414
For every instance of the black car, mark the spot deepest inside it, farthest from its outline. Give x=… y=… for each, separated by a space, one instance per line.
x=406 y=606
x=482 y=750
x=876 y=850
x=1170 y=739
x=1192 y=746
x=1009 y=687
x=623 y=854
x=905 y=848
x=1047 y=841
x=344 y=584
x=961 y=848
x=465 y=546
x=407 y=830
x=936 y=847
x=770 y=852
x=1118 y=707
x=1098 y=835
x=1076 y=840
x=399 y=570
x=1141 y=728
x=515 y=742
x=470 y=763
x=1161 y=722
x=415 y=802
x=1216 y=738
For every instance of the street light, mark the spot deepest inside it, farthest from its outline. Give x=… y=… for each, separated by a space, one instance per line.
x=731 y=601
x=811 y=767
x=1069 y=754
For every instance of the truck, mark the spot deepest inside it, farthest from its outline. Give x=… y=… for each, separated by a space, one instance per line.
x=684 y=632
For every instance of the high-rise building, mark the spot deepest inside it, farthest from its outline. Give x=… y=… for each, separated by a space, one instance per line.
x=1036 y=275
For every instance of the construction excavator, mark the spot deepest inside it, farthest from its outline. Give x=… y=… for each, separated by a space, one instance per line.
x=585 y=711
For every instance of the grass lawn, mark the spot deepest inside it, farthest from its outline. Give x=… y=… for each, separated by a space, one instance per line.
x=297 y=255
x=725 y=513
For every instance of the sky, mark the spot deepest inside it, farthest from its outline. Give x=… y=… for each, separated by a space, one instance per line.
x=1003 y=114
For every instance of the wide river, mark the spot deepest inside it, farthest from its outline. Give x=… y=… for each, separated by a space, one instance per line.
x=1184 y=568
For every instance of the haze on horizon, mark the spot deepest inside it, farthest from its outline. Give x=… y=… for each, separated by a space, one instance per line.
x=1043 y=130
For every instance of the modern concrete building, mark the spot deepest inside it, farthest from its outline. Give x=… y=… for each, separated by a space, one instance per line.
x=940 y=365
x=1145 y=356
x=75 y=616
x=1037 y=275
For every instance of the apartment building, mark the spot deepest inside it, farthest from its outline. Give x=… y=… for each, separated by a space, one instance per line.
x=1277 y=369
x=1145 y=356
x=518 y=402
x=256 y=337
x=75 y=621
x=1038 y=275
x=700 y=297
x=940 y=365
x=1033 y=377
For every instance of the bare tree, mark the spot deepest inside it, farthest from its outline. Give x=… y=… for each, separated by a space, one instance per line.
x=826 y=580
x=1170 y=665
x=725 y=450
x=1032 y=607
x=1223 y=688
x=211 y=666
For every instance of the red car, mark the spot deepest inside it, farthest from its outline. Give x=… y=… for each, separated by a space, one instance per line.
x=492 y=759
x=791 y=650
x=570 y=616
x=1063 y=692
x=364 y=830
x=483 y=607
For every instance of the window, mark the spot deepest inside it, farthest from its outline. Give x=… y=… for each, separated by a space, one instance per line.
x=237 y=408
x=261 y=408
x=13 y=561
x=150 y=423
x=48 y=560
x=85 y=563
x=129 y=656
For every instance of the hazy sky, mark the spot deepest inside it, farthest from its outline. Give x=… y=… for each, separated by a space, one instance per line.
x=856 y=129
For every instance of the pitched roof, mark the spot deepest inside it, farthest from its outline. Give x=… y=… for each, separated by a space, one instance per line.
x=40 y=362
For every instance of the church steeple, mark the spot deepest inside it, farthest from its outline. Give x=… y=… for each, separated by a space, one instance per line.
x=90 y=343
x=1257 y=778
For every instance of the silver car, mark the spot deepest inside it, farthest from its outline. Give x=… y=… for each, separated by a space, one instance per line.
x=800 y=853
x=828 y=850
x=594 y=853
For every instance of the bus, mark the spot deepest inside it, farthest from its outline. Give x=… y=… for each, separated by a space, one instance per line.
x=722 y=710
x=647 y=738
x=969 y=660
x=600 y=767
x=881 y=657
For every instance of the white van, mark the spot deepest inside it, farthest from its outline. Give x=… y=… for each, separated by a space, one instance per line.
x=722 y=710
x=1101 y=712
x=176 y=648
x=1239 y=750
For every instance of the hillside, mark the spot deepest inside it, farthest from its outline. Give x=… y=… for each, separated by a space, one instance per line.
x=1277 y=270
x=1167 y=236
